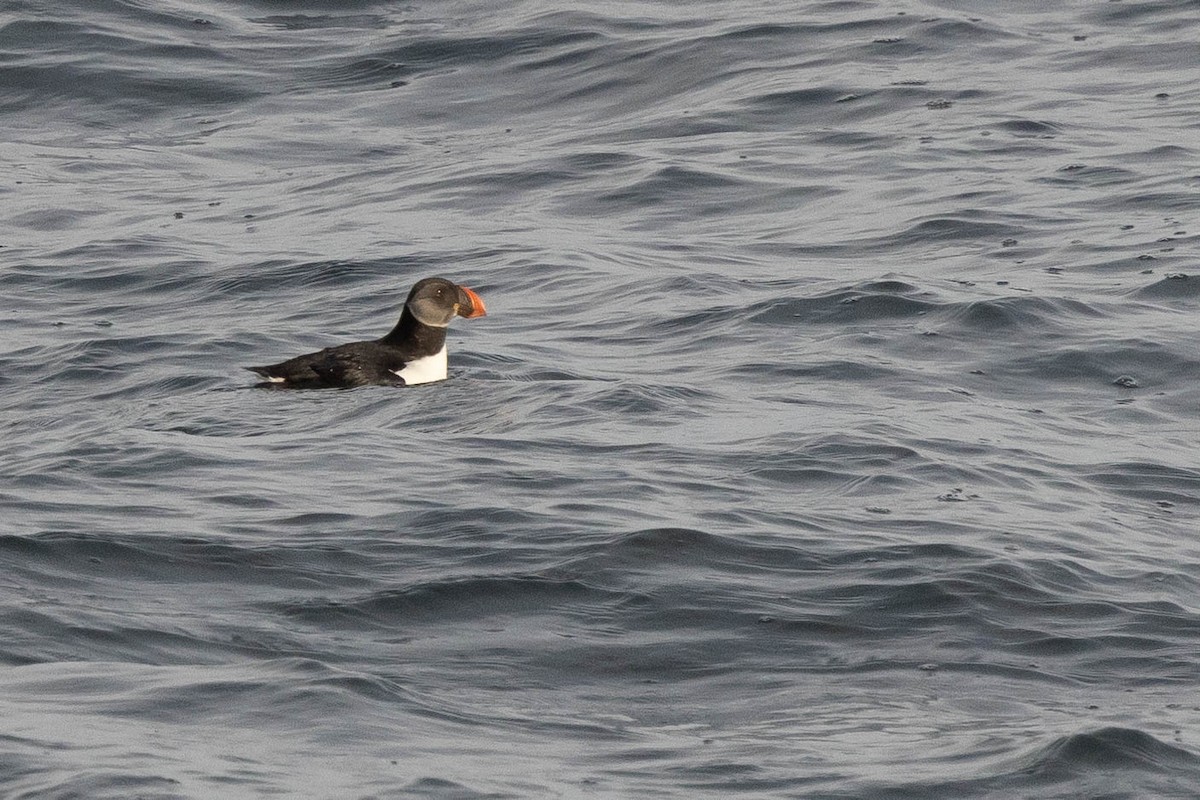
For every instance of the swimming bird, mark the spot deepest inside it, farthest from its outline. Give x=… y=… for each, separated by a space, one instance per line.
x=413 y=352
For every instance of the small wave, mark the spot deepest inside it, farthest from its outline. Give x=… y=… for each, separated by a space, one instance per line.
x=1101 y=363
x=471 y=598
x=432 y=54
x=1106 y=762
x=847 y=306
x=668 y=546
x=946 y=229
x=305 y=22
x=1182 y=201
x=1083 y=174
x=1148 y=481
x=1029 y=127
x=1176 y=287
x=1026 y=314
x=126 y=81
x=1111 y=749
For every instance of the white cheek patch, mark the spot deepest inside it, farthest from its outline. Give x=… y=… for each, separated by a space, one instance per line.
x=424 y=370
x=275 y=379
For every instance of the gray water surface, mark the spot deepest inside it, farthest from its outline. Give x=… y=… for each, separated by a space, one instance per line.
x=832 y=432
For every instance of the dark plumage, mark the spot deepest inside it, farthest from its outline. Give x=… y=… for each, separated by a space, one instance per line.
x=413 y=352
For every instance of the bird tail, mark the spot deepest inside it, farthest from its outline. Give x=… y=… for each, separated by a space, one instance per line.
x=265 y=372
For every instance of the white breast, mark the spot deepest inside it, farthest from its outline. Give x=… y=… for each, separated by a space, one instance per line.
x=424 y=370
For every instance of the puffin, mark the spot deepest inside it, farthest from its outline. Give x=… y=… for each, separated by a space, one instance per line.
x=414 y=352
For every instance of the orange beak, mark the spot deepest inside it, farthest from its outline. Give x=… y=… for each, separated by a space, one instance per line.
x=477 y=307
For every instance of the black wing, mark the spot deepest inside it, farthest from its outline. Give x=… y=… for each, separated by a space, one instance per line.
x=345 y=366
